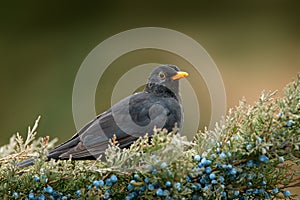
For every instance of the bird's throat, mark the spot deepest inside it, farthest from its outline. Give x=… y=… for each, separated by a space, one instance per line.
x=161 y=91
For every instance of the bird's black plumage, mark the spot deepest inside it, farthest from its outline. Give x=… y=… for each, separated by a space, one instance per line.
x=159 y=105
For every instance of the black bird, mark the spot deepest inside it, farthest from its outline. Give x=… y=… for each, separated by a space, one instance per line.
x=158 y=105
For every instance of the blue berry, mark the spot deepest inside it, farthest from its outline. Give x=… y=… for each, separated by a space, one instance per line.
x=36 y=178
x=101 y=183
x=281 y=159
x=212 y=176
x=261 y=191
x=222 y=179
x=202 y=180
x=113 y=178
x=188 y=179
x=49 y=189
x=255 y=191
x=203 y=160
x=290 y=123
x=166 y=192
x=130 y=187
x=159 y=192
x=15 y=195
x=146 y=180
x=275 y=190
x=250 y=163
x=223 y=166
x=196 y=186
x=286 y=193
x=135 y=176
x=78 y=192
x=197 y=158
x=96 y=183
x=224 y=194
x=236 y=193
x=41 y=197
x=44 y=178
x=222 y=155
x=31 y=196
x=150 y=187
x=233 y=171
x=168 y=184
x=177 y=185
x=207 y=162
x=143 y=188
x=132 y=181
x=248 y=192
x=263 y=158
x=208 y=170
x=108 y=182
x=214 y=182
x=249 y=184
x=154 y=171
x=264 y=183
x=249 y=147
x=129 y=197
x=228 y=142
x=259 y=140
x=107 y=194
x=163 y=165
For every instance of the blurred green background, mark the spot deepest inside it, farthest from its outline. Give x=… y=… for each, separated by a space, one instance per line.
x=256 y=47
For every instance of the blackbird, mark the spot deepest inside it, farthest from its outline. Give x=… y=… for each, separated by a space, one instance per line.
x=159 y=105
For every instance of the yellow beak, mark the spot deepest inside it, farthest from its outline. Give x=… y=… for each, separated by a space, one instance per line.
x=179 y=75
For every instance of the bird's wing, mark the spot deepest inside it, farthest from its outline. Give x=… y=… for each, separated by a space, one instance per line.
x=129 y=119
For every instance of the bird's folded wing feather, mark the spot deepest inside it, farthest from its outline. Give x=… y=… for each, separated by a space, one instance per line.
x=129 y=119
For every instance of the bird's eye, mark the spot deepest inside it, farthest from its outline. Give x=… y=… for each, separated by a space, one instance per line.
x=161 y=75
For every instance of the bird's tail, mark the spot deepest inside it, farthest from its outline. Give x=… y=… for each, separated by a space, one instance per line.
x=26 y=163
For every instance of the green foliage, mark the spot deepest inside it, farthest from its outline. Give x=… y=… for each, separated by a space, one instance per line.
x=252 y=153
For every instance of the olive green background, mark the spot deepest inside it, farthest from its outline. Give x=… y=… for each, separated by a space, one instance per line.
x=256 y=47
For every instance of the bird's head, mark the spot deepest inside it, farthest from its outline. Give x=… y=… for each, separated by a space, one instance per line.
x=165 y=77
